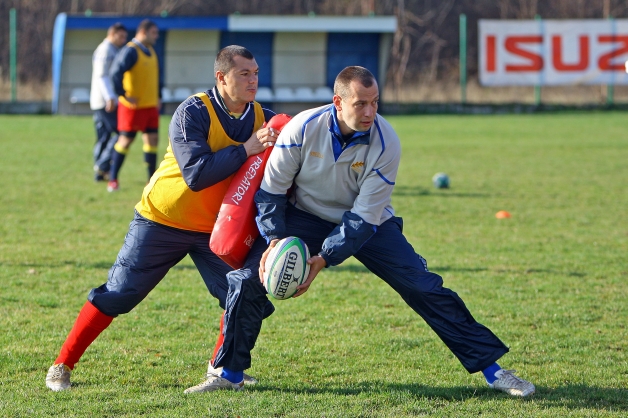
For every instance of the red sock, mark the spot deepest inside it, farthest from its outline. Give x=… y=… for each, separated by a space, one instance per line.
x=89 y=324
x=221 y=338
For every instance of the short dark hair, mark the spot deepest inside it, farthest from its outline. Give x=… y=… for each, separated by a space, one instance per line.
x=346 y=76
x=145 y=25
x=117 y=27
x=224 y=60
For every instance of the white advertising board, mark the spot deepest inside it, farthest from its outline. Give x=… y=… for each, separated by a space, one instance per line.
x=552 y=52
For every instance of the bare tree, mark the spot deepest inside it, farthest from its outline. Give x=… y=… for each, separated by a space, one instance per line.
x=528 y=8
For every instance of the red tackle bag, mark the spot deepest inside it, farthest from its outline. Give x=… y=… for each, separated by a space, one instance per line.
x=235 y=229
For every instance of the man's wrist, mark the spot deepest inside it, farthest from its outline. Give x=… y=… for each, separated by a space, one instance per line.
x=325 y=257
x=243 y=152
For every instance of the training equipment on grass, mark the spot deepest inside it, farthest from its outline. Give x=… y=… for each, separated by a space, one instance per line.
x=235 y=229
x=502 y=214
x=440 y=181
x=286 y=268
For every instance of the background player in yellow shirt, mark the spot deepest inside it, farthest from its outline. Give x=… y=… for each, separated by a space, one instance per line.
x=137 y=82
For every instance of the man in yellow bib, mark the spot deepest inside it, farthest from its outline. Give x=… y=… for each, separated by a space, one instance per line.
x=211 y=136
x=137 y=82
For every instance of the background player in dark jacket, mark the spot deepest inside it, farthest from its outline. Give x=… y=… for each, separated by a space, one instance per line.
x=137 y=82
x=211 y=136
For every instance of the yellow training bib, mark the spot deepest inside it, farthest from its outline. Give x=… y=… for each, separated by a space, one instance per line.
x=168 y=200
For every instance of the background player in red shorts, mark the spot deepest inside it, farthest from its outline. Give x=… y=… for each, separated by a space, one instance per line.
x=136 y=80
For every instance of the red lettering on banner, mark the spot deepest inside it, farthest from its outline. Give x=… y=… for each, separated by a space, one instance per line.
x=604 y=63
x=557 y=59
x=490 y=54
x=512 y=46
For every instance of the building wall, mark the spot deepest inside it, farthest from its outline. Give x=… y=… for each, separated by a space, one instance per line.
x=261 y=46
x=288 y=61
x=189 y=59
x=76 y=69
x=298 y=56
x=299 y=59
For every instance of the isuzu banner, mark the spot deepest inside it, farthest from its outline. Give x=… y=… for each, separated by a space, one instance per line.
x=553 y=52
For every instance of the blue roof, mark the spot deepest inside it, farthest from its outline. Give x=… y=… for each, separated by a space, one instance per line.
x=164 y=23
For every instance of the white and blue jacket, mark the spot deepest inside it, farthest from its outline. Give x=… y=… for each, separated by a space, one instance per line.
x=345 y=181
x=101 y=87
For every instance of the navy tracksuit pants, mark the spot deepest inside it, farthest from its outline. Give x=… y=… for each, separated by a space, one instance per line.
x=149 y=251
x=389 y=256
x=106 y=124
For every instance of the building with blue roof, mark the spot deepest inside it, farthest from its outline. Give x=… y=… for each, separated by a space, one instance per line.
x=299 y=56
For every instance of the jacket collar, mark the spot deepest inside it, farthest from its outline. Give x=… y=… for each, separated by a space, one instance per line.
x=223 y=106
x=339 y=144
x=356 y=138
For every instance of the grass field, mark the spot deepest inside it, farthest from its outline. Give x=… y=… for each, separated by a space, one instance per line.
x=552 y=282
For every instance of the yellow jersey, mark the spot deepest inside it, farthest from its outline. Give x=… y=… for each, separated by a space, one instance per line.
x=142 y=80
x=168 y=200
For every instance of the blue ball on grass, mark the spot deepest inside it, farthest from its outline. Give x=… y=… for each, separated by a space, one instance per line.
x=440 y=181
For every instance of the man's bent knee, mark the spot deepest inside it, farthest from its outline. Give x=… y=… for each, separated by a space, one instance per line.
x=114 y=303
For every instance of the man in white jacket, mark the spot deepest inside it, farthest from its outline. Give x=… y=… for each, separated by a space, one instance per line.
x=103 y=100
x=329 y=181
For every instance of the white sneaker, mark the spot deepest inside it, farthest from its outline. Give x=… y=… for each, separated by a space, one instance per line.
x=511 y=384
x=248 y=380
x=213 y=383
x=58 y=377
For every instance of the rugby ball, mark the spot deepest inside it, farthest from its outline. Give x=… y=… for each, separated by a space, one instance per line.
x=286 y=268
x=440 y=181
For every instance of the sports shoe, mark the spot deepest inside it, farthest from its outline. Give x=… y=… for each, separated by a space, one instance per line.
x=214 y=382
x=511 y=384
x=248 y=380
x=58 y=377
x=113 y=186
x=100 y=175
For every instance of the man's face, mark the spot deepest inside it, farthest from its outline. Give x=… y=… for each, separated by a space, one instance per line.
x=151 y=35
x=240 y=83
x=119 y=38
x=359 y=109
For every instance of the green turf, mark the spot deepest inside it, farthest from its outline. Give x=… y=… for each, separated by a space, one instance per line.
x=551 y=281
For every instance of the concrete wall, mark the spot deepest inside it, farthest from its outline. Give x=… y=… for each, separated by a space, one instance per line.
x=76 y=69
x=299 y=59
x=190 y=58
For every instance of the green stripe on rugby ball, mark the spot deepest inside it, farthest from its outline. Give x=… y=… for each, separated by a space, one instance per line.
x=284 y=246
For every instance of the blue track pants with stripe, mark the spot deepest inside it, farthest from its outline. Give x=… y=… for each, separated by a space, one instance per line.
x=149 y=251
x=389 y=256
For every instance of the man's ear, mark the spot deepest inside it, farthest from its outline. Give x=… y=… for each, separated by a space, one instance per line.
x=220 y=78
x=337 y=100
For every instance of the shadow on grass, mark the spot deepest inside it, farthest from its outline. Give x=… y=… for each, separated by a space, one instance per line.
x=569 y=396
x=422 y=191
x=542 y=271
x=351 y=268
x=341 y=268
x=437 y=269
x=79 y=264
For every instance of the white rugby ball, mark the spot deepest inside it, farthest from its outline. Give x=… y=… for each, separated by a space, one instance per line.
x=286 y=268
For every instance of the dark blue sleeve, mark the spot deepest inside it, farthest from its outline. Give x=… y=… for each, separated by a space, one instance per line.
x=201 y=167
x=123 y=62
x=268 y=114
x=346 y=238
x=271 y=215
